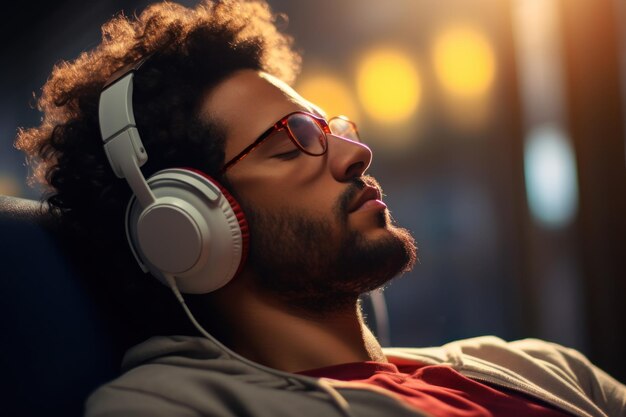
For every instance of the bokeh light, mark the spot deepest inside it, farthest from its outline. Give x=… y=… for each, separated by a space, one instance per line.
x=388 y=85
x=464 y=61
x=330 y=93
x=10 y=185
x=551 y=177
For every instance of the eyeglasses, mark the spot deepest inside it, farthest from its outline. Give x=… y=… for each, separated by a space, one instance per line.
x=307 y=131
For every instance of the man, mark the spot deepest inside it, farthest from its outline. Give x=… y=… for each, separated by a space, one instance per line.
x=280 y=333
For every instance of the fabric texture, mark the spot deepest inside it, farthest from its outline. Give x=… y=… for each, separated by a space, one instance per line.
x=440 y=389
x=192 y=376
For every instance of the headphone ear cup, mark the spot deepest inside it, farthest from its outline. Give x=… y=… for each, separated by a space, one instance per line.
x=195 y=231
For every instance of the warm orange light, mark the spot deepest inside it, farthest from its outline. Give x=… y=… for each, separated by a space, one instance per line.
x=330 y=93
x=464 y=61
x=388 y=85
x=9 y=185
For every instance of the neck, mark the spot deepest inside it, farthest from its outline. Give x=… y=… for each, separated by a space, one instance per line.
x=265 y=330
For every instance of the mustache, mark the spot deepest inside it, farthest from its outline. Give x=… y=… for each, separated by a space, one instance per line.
x=354 y=188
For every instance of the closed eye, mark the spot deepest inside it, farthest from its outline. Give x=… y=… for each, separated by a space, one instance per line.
x=288 y=155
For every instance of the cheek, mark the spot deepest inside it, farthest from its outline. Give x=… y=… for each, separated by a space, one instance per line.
x=304 y=186
x=290 y=196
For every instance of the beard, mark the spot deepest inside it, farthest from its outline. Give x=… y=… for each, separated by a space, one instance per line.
x=310 y=265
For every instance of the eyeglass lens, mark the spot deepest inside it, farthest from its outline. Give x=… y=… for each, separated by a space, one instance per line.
x=310 y=135
x=344 y=128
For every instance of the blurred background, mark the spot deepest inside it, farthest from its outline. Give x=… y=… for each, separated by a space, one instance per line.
x=498 y=131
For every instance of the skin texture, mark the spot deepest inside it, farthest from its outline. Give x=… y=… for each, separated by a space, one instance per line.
x=270 y=327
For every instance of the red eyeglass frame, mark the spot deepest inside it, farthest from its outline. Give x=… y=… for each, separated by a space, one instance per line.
x=280 y=125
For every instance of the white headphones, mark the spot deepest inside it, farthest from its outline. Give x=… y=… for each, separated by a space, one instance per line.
x=180 y=222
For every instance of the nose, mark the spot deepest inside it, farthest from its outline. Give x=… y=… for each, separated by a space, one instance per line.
x=347 y=159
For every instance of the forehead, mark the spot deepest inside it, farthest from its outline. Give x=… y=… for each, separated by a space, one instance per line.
x=247 y=103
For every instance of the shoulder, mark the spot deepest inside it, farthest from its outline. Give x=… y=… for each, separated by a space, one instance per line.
x=165 y=389
x=496 y=351
x=567 y=362
x=199 y=387
x=485 y=345
x=148 y=390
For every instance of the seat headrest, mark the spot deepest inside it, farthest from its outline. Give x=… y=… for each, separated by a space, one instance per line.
x=22 y=209
x=55 y=347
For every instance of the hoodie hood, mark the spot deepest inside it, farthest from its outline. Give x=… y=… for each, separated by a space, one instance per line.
x=204 y=354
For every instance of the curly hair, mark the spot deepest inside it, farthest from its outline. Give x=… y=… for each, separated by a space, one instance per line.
x=191 y=50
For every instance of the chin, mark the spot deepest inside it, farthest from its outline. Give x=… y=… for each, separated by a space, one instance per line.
x=370 y=221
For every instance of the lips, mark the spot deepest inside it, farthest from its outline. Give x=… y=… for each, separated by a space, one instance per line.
x=369 y=193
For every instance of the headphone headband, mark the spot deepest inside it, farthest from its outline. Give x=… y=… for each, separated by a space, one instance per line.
x=118 y=89
x=122 y=143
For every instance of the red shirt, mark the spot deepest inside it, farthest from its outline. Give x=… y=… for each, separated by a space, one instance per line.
x=439 y=390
